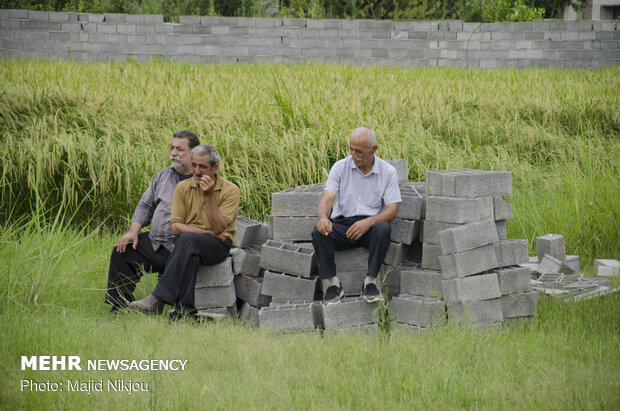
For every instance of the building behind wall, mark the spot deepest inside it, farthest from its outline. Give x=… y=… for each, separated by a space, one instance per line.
x=595 y=10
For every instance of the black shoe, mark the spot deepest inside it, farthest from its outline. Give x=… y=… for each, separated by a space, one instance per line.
x=333 y=294
x=371 y=293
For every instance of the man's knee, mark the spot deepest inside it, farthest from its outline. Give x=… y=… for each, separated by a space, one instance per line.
x=383 y=229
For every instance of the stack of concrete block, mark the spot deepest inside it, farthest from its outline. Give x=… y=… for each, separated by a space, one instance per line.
x=294 y=212
x=518 y=298
x=464 y=236
x=406 y=225
x=215 y=288
x=246 y=267
x=468 y=252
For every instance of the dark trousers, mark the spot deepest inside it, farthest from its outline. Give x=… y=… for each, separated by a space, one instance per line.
x=376 y=240
x=127 y=268
x=191 y=250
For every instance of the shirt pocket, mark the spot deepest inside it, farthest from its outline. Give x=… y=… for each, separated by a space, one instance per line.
x=375 y=198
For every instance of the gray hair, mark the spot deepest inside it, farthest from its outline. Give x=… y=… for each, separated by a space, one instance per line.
x=207 y=149
x=371 y=137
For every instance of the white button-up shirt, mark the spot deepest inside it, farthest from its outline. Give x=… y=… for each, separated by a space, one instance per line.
x=359 y=194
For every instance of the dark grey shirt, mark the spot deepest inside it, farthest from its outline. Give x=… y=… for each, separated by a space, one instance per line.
x=155 y=205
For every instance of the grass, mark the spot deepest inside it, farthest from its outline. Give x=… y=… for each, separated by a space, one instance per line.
x=75 y=134
x=555 y=362
x=78 y=147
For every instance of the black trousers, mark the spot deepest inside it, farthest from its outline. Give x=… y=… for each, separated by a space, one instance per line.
x=127 y=268
x=376 y=240
x=191 y=250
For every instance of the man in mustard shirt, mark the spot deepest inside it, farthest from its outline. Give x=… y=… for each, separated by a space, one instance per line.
x=204 y=217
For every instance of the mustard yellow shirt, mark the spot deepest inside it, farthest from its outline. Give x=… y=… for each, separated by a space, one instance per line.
x=188 y=204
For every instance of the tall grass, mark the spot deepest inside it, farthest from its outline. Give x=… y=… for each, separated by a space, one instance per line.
x=76 y=134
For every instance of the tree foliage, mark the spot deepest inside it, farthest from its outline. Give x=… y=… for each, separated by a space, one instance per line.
x=468 y=10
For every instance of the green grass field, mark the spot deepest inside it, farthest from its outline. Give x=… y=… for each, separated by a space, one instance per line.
x=80 y=142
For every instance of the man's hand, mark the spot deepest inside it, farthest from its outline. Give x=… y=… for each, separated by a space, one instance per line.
x=206 y=184
x=359 y=228
x=324 y=226
x=223 y=236
x=128 y=238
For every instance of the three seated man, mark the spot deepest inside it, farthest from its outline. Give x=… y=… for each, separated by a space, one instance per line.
x=360 y=200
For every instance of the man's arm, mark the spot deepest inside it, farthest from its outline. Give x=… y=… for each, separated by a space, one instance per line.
x=216 y=220
x=361 y=227
x=180 y=228
x=141 y=217
x=324 y=226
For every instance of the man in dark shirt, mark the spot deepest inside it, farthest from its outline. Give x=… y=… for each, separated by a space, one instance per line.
x=204 y=216
x=149 y=251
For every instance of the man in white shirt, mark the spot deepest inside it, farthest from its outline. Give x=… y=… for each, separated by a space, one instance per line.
x=360 y=199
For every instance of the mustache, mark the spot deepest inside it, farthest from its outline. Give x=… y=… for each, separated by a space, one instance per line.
x=173 y=158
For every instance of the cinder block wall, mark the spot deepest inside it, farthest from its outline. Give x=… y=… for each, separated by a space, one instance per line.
x=116 y=37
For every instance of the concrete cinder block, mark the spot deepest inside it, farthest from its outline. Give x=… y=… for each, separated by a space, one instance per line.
x=351 y=282
x=431 y=229
x=395 y=254
x=551 y=244
x=425 y=283
x=476 y=312
x=416 y=310
x=502 y=231
x=249 y=290
x=472 y=288
x=430 y=256
x=412 y=204
x=287 y=258
x=502 y=209
x=249 y=315
x=350 y=312
x=459 y=210
x=519 y=304
x=288 y=317
x=289 y=287
x=210 y=297
x=551 y=265
x=607 y=267
x=354 y=259
x=247 y=232
x=299 y=201
x=246 y=261
x=469 y=183
x=467 y=237
x=292 y=228
x=514 y=280
x=404 y=231
x=511 y=252
x=468 y=262
x=401 y=168
x=573 y=262
x=217 y=275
